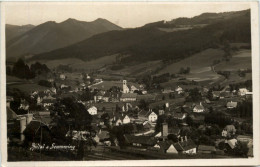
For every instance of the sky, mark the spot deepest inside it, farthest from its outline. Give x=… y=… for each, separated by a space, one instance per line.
x=124 y=14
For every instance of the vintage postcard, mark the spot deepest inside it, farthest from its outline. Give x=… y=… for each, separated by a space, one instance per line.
x=129 y=83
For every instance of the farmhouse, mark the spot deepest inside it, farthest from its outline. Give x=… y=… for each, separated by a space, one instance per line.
x=179 y=90
x=242 y=91
x=183 y=147
x=92 y=110
x=199 y=108
x=148 y=115
x=119 y=119
x=228 y=131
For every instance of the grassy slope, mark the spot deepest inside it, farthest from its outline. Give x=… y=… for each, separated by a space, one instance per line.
x=198 y=62
x=79 y=64
x=241 y=60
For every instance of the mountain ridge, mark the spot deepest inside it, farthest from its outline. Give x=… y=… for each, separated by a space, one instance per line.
x=51 y=35
x=149 y=43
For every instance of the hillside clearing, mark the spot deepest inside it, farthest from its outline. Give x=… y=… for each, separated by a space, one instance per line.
x=197 y=62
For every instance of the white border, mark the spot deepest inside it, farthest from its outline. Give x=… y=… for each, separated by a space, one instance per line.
x=184 y=162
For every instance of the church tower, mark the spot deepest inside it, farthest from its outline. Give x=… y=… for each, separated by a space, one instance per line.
x=125 y=87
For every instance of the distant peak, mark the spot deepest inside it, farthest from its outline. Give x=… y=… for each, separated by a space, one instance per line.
x=70 y=20
x=100 y=19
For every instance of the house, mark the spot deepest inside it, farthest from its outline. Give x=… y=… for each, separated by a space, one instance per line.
x=24 y=105
x=228 y=131
x=182 y=147
x=165 y=147
x=224 y=95
x=92 y=110
x=204 y=149
x=147 y=97
x=242 y=91
x=102 y=136
x=47 y=101
x=123 y=118
x=53 y=90
x=244 y=138
x=128 y=97
x=231 y=105
x=119 y=119
x=232 y=143
x=199 y=108
x=167 y=91
x=98 y=80
x=62 y=76
x=179 y=115
x=106 y=97
x=63 y=86
x=148 y=115
x=161 y=112
x=111 y=97
x=179 y=90
x=216 y=94
x=99 y=96
x=133 y=89
x=186 y=147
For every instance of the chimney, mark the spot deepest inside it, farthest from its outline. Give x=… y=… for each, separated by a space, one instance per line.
x=200 y=104
x=186 y=138
x=95 y=99
x=181 y=139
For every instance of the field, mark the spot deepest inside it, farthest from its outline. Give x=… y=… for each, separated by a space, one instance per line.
x=27 y=87
x=136 y=69
x=198 y=63
x=241 y=60
x=23 y=85
x=80 y=64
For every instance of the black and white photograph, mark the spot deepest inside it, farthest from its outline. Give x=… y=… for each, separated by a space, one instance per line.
x=135 y=81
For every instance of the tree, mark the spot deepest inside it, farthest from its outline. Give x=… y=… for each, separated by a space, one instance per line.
x=222 y=145
x=45 y=83
x=194 y=95
x=172 y=137
x=189 y=120
x=22 y=70
x=143 y=105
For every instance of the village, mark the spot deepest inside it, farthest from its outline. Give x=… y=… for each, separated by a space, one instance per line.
x=122 y=119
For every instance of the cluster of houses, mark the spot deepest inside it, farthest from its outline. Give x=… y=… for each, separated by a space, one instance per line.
x=145 y=140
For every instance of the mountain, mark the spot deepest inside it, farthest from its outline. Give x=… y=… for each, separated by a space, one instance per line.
x=51 y=35
x=150 y=43
x=207 y=18
x=12 y=31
